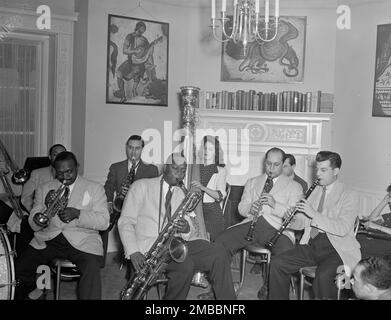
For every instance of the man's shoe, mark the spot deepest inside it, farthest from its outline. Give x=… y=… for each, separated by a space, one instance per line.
x=37 y=294
x=206 y=296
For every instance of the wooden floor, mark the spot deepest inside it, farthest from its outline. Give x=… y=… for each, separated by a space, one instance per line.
x=113 y=280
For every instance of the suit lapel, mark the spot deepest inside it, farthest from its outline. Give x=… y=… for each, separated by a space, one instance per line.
x=333 y=197
x=77 y=193
x=139 y=170
x=280 y=184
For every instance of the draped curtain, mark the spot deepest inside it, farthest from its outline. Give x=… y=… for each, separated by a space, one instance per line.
x=19 y=87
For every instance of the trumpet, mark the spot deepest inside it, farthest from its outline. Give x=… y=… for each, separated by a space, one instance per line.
x=255 y=211
x=270 y=244
x=57 y=204
x=19 y=176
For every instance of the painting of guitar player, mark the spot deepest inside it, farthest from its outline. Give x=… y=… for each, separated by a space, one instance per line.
x=280 y=60
x=137 y=61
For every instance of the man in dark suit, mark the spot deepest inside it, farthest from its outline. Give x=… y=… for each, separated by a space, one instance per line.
x=120 y=171
x=288 y=169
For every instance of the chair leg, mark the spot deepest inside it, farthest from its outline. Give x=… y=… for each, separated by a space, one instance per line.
x=293 y=285
x=243 y=261
x=58 y=281
x=301 y=286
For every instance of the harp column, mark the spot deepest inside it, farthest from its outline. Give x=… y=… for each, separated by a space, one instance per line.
x=190 y=100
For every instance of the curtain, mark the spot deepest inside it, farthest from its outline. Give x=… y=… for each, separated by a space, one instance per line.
x=19 y=87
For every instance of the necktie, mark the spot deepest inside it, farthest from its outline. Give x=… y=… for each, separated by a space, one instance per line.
x=132 y=173
x=315 y=231
x=268 y=185
x=168 y=203
x=66 y=193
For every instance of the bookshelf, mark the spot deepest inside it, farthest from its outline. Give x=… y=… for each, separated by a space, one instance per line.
x=251 y=100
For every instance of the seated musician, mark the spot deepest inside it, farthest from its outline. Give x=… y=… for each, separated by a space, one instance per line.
x=40 y=176
x=377 y=245
x=148 y=207
x=372 y=279
x=72 y=231
x=12 y=213
x=272 y=204
x=5 y=204
x=119 y=171
x=328 y=240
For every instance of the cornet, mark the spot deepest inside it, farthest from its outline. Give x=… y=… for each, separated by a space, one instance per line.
x=58 y=204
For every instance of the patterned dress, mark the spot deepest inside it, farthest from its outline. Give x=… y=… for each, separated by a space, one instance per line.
x=213 y=215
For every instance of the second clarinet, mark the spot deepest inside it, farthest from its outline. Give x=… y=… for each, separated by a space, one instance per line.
x=254 y=211
x=270 y=244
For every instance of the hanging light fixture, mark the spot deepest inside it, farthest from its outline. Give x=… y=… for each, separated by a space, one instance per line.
x=246 y=23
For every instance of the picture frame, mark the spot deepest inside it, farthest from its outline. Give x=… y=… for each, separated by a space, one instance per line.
x=381 y=106
x=137 y=61
x=280 y=60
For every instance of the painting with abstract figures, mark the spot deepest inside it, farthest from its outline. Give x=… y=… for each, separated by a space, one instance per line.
x=382 y=89
x=137 y=61
x=280 y=60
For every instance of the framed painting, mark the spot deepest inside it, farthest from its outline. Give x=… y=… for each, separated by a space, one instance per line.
x=280 y=60
x=137 y=61
x=381 y=106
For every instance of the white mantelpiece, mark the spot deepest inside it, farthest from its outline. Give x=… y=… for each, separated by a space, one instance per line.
x=301 y=134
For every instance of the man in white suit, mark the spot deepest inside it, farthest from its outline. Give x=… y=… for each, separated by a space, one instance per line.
x=271 y=206
x=328 y=217
x=147 y=208
x=72 y=233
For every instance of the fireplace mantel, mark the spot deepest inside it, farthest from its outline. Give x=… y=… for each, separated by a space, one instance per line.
x=301 y=134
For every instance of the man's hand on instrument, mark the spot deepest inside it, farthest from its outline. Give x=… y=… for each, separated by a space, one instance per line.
x=268 y=200
x=306 y=208
x=3 y=167
x=182 y=226
x=138 y=260
x=110 y=207
x=69 y=214
x=197 y=184
x=370 y=225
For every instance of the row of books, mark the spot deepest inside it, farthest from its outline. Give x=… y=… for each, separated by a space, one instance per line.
x=286 y=101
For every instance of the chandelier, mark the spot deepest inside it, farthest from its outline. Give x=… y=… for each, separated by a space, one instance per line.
x=246 y=24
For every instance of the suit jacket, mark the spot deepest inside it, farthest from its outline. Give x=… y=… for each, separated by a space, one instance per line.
x=139 y=222
x=337 y=219
x=118 y=172
x=286 y=192
x=38 y=177
x=83 y=233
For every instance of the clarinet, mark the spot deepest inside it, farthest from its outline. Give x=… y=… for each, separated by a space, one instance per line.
x=255 y=212
x=270 y=244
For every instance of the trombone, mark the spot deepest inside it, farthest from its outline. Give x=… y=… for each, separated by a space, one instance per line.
x=19 y=176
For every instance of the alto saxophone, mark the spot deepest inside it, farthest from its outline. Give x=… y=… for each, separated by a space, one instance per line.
x=166 y=247
x=120 y=196
x=57 y=204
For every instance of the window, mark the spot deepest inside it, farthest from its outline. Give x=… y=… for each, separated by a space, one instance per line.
x=24 y=95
